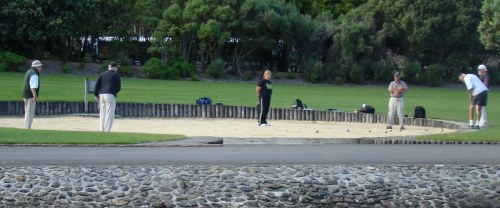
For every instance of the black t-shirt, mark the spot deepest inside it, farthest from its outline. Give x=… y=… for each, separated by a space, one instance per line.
x=266 y=89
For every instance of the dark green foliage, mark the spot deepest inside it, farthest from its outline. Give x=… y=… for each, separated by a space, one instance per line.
x=216 y=68
x=313 y=71
x=66 y=69
x=434 y=75
x=153 y=69
x=339 y=81
x=10 y=61
x=126 y=71
x=384 y=71
x=356 y=74
x=181 y=68
x=412 y=73
x=368 y=67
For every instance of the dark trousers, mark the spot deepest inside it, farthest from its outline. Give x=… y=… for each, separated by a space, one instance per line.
x=264 y=104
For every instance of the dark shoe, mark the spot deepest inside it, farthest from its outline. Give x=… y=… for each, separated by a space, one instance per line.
x=477 y=126
x=472 y=127
x=388 y=127
x=402 y=128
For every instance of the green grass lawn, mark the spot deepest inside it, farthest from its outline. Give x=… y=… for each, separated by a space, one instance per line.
x=23 y=136
x=440 y=103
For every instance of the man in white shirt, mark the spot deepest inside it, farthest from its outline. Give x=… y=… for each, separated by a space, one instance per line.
x=478 y=94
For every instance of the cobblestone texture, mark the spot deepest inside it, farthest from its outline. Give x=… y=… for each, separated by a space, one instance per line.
x=252 y=186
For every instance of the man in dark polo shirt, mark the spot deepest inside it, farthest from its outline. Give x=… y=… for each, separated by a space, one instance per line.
x=107 y=87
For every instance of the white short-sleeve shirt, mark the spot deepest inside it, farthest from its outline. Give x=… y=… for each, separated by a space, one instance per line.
x=34 y=81
x=473 y=82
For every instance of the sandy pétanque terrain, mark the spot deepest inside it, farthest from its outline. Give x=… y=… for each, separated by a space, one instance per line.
x=235 y=128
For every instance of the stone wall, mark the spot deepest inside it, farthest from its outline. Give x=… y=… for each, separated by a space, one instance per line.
x=15 y=108
x=252 y=186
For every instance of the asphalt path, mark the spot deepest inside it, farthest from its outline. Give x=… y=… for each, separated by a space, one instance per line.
x=267 y=154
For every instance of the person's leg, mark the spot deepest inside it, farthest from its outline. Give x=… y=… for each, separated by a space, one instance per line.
x=265 y=104
x=479 y=111
x=392 y=106
x=261 y=106
x=110 y=112
x=29 y=112
x=471 y=114
x=484 y=117
x=102 y=112
x=401 y=112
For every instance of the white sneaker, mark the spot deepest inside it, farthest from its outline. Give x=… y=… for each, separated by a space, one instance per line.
x=263 y=125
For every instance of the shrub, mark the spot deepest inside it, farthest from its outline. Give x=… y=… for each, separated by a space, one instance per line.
x=339 y=81
x=434 y=75
x=356 y=75
x=216 y=68
x=413 y=73
x=384 y=70
x=291 y=75
x=3 y=67
x=313 y=71
x=152 y=69
x=10 y=61
x=368 y=67
x=195 y=78
x=172 y=73
x=494 y=75
x=182 y=68
x=66 y=68
x=126 y=71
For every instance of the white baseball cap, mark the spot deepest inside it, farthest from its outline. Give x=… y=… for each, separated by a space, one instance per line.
x=483 y=67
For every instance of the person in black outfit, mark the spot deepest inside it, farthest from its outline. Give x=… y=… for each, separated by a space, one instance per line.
x=264 y=90
x=107 y=87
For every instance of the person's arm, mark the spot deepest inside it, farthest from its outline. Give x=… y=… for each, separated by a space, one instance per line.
x=33 y=86
x=390 y=88
x=403 y=88
x=35 y=96
x=97 y=88
x=258 y=89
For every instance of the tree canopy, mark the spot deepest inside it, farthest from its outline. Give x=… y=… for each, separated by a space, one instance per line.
x=342 y=40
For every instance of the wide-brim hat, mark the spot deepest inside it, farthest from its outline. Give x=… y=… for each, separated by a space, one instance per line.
x=36 y=63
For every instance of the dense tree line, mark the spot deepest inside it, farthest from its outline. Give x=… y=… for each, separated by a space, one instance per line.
x=328 y=41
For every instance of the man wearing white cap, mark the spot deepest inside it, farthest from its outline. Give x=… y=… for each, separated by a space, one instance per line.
x=31 y=92
x=483 y=76
x=478 y=96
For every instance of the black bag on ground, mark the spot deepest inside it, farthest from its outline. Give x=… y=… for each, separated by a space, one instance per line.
x=368 y=109
x=419 y=112
x=204 y=101
x=298 y=104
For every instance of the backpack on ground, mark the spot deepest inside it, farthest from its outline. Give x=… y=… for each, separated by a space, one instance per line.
x=204 y=101
x=419 y=112
x=298 y=104
x=368 y=109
